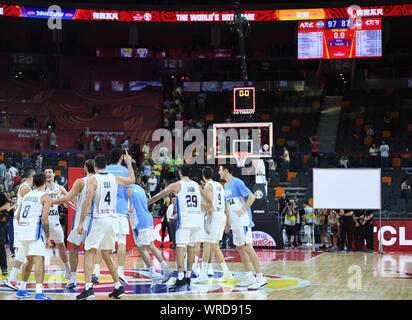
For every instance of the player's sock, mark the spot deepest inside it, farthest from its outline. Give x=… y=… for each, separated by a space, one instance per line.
x=88 y=286
x=73 y=277
x=224 y=267
x=180 y=276
x=96 y=270
x=13 y=274
x=67 y=267
x=152 y=270
x=259 y=275
x=188 y=274
x=117 y=285
x=22 y=285
x=39 y=287
x=196 y=259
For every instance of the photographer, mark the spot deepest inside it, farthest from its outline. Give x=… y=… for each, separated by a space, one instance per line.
x=321 y=227
x=290 y=211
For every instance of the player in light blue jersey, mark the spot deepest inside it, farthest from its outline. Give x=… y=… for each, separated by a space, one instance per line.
x=122 y=209
x=141 y=222
x=239 y=199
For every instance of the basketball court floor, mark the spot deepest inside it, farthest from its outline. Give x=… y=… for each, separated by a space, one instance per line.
x=292 y=274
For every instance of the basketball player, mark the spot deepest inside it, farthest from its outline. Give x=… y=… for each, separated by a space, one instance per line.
x=101 y=190
x=33 y=211
x=215 y=226
x=141 y=222
x=78 y=189
x=190 y=220
x=56 y=231
x=24 y=188
x=238 y=201
x=122 y=210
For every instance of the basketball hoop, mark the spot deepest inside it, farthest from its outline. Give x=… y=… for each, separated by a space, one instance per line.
x=241 y=157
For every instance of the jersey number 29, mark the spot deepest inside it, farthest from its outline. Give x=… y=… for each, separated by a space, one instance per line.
x=191 y=201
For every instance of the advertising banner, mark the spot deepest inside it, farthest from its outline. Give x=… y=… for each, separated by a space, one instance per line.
x=396 y=235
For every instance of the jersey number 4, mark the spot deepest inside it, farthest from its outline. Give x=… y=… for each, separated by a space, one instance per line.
x=107 y=198
x=191 y=201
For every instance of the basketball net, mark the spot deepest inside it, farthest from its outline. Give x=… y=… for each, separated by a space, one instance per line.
x=241 y=157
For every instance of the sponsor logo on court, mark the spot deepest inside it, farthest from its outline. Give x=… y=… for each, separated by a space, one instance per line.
x=140 y=284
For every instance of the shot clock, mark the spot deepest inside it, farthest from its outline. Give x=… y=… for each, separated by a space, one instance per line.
x=244 y=100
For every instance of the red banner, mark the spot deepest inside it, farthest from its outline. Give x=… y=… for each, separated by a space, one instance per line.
x=396 y=235
x=203 y=16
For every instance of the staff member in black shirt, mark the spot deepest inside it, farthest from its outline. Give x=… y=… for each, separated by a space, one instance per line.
x=358 y=229
x=4 y=207
x=283 y=201
x=368 y=227
x=165 y=224
x=345 y=229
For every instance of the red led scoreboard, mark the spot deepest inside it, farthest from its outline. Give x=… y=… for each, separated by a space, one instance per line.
x=244 y=100
x=340 y=39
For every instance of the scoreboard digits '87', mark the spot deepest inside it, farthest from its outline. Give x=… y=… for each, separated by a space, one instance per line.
x=244 y=100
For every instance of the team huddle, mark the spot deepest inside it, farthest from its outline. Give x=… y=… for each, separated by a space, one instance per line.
x=107 y=200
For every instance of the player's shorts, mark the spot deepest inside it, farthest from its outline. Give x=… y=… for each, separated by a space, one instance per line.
x=56 y=232
x=242 y=235
x=76 y=238
x=188 y=236
x=143 y=237
x=123 y=222
x=216 y=228
x=102 y=234
x=16 y=242
x=33 y=247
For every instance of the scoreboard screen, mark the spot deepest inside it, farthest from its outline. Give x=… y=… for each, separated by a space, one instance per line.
x=340 y=39
x=243 y=100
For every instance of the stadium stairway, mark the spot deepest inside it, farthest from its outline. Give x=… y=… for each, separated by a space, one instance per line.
x=329 y=122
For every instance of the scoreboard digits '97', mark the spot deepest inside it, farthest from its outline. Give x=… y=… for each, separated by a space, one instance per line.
x=243 y=100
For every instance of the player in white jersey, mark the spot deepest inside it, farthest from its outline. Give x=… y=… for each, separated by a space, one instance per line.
x=24 y=188
x=190 y=220
x=56 y=231
x=116 y=158
x=101 y=191
x=215 y=226
x=78 y=189
x=238 y=202
x=33 y=216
